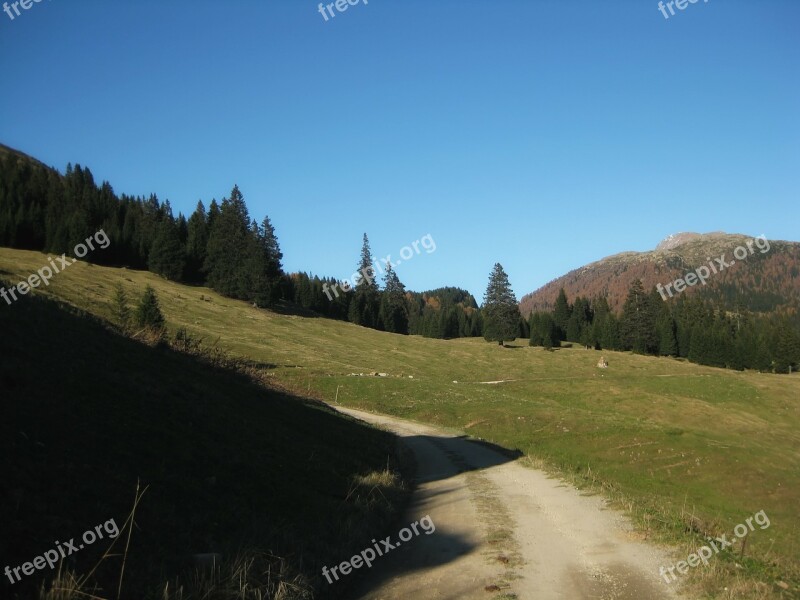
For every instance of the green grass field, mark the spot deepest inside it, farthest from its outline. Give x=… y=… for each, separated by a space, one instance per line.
x=689 y=450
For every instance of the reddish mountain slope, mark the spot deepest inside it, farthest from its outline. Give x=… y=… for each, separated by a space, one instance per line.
x=767 y=279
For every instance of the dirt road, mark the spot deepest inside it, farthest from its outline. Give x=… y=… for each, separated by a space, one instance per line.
x=505 y=531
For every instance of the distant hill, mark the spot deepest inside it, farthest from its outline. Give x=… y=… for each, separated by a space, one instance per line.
x=764 y=281
x=6 y=150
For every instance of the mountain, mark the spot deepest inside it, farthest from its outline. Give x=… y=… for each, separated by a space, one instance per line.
x=765 y=277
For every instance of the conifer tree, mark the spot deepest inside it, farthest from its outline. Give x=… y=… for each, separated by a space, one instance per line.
x=167 y=256
x=787 y=350
x=267 y=267
x=196 y=243
x=394 y=309
x=365 y=303
x=666 y=328
x=119 y=307
x=524 y=331
x=148 y=312
x=500 y=309
x=561 y=313
x=638 y=320
x=534 y=325
x=272 y=250
x=229 y=248
x=448 y=322
x=549 y=332
x=700 y=347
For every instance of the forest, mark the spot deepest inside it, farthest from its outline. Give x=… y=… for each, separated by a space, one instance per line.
x=689 y=327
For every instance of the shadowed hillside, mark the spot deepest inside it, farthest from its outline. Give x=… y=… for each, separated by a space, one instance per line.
x=230 y=466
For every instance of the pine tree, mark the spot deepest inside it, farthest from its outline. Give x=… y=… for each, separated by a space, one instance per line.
x=787 y=349
x=448 y=322
x=561 y=313
x=549 y=332
x=272 y=250
x=638 y=320
x=606 y=332
x=365 y=304
x=534 y=325
x=148 y=312
x=120 y=310
x=700 y=348
x=213 y=213
x=579 y=321
x=394 y=309
x=167 y=255
x=196 y=242
x=267 y=268
x=500 y=308
x=523 y=331
x=303 y=293
x=667 y=340
x=229 y=248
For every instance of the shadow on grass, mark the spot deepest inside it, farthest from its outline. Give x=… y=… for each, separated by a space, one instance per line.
x=85 y=413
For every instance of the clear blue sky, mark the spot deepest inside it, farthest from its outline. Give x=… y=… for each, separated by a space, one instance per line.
x=540 y=134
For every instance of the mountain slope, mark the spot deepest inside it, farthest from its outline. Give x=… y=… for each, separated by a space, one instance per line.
x=766 y=280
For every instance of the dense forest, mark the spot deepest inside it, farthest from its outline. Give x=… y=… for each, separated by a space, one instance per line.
x=224 y=248
x=221 y=247
x=688 y=327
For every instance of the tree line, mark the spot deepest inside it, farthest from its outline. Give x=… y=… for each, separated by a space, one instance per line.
x=444 y=313
x=689 y=327
x=223 y=248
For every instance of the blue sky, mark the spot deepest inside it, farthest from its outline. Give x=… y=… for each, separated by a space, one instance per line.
x=539 y=134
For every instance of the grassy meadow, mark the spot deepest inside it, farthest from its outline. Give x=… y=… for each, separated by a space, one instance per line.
x=689 y=450
x=276 y=485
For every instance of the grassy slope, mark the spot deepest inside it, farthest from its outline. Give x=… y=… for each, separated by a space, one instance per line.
x=84 y=413
x=675 y=438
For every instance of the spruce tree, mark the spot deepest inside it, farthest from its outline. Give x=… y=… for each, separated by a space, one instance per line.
x=500 y=309
x=167 y=255
x=365 y=303
x=148 y=312
x=573 y=333
x=266 y=264
x=272 y=250
x=666 y=328
x=230 y=249
x=609 y=336
x=524 y=330
x=196 y=242
x=448 y=322
x=561 y=313
x=120 y=310
x=394 y=309
x=549 y=332
x=787 y=349
x=699 y=349
x=534 y=325
x=638 y=320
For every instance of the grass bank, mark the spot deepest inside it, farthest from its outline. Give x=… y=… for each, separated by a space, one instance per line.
x=275 y=484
